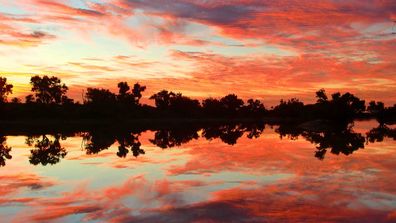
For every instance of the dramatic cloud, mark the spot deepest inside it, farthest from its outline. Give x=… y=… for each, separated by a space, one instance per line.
x=265 y=49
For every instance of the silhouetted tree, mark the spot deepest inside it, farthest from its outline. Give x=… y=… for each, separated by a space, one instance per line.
x=162 y=99
x=5 y=89
x=212 y=107
x=137 y=92
x=29 y=99
x=4 y=151
x=340 y=107
x=15 y=100
x=231 y=103
x=376 y=107
x=292 y=108
x=184 y=105
x=123 y=89
x=378 y=110
x=47 y=151
x=175 y=103
x=321 y=96
x=347 y=105
x=100 y=97
x=132 y=97
x=254 y=108
x=48 y=90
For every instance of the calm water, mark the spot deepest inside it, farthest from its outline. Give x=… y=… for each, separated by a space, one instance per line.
x=239 y=175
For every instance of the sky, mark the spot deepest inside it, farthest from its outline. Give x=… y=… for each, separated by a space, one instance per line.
x=263 y=49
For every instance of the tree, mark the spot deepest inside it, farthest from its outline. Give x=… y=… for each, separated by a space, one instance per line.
x=162 y=99
x=130 y=97
x=379 y=111
x=347 y=105
x=29 y=99
x=290 y=108
x=212 y=107
x=5 y=89
x=123 y=89
x=100 y=96
x=137 y=92
x=15 y=100
x=321 y=96
x=231 y=103
x=376 y=107
x=254 y=107
x=183 y=104
x=176 y=103
x=339 y=107
x=48 y=90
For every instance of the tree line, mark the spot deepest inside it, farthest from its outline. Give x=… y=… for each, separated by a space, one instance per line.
x=48 y=99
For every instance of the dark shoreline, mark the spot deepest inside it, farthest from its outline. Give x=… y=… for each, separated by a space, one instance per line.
x=48 y=126
x=41 y=126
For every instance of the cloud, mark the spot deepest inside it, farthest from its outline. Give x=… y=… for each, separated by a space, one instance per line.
x=337 y=45
x=13 y=34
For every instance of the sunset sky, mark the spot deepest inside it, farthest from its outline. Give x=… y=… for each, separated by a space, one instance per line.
x=255 y=48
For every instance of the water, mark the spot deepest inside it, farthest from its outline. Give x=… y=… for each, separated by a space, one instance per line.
x=263 y=178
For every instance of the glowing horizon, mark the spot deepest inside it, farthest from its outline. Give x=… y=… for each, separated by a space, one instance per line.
x=254 y=48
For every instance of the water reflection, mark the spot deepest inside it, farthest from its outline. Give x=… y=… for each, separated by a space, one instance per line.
x=339 y=139
x=379 y=133
x=129 y=141
x=344 y=141
x=4 y=151
x=46 y=151
x=168 y=138
x=204 y=174
x=101 y=139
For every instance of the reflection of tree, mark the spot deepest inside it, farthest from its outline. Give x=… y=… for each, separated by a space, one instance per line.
x=173 y=137
x=339 y=139
x=4 y=151
x=343 y=141
x=254 y=130
x=129 y=141
x=97 y=141
x=230 y=133
x=47 y=151
x=227 y=133
x=288 y=131
x=378 y=134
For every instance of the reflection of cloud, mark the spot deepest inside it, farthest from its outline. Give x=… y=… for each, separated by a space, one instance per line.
x=107 y=203
x=12 y=185
x=203 y=212
x=212 y=182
